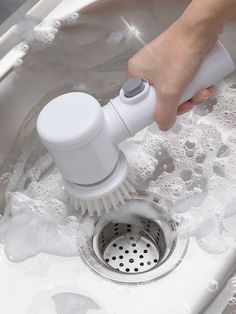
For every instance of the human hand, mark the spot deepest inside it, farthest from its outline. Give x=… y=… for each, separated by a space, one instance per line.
x=170 y=62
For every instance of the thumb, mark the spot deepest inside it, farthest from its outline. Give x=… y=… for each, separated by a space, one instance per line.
x=166 y=109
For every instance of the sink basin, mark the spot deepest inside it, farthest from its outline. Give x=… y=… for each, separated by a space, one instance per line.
x=90 y=53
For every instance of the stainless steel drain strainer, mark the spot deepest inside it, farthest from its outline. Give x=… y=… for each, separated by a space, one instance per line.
x=131 y=253
x=130 y=249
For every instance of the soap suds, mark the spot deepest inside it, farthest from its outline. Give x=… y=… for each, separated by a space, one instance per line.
x=199 y=191
x=191 y=170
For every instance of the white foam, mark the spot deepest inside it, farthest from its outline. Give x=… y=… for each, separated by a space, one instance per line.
x=199 y=190
x=37 y=34
x=192 y=170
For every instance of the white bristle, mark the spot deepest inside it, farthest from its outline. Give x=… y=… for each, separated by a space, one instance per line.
x=98 y=209
x=106 y=205
x=111 y=201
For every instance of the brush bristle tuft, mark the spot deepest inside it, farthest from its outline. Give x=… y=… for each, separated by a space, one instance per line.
x=98 y=206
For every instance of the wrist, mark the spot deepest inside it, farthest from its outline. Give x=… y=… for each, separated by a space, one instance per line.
x=202 y=28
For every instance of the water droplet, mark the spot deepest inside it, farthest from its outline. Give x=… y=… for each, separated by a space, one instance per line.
x=18 y=63
x=73 y=18
x=57 y=24
x=212 y=285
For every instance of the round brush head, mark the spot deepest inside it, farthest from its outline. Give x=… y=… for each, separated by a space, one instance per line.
x=105 y=195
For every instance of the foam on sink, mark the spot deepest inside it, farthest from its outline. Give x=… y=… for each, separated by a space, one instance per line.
x=38 y=34
x=191 y=170
x=195 y=169
x=38 y=217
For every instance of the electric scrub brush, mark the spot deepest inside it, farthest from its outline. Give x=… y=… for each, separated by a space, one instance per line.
x=83 y=137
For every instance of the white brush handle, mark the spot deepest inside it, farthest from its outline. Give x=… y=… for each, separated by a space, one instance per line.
x=137 y=101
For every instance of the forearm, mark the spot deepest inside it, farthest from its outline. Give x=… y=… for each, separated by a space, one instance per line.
x=212 y=12
x=219 y=11
x=204 y=20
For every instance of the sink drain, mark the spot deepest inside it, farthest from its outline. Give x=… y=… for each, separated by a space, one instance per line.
x=147 y=249
x=130 y=249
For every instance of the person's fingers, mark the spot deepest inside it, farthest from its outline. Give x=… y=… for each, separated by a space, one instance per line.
x=211 y=89
x=185 y=107
x=201 y=96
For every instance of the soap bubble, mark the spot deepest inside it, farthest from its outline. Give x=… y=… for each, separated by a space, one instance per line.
x=4 y=177
x=190 y=170
x=57 y=24
x=73 y=18
x=232 y=284
x=24 y=47
x=213 y=285
x=18 y=63
x=232 y=301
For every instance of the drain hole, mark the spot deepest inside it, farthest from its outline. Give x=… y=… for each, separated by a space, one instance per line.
x=133 y=252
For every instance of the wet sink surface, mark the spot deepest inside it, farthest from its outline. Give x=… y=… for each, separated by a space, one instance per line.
x=92 y=56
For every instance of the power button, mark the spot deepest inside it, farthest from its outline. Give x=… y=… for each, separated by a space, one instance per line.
x=133 y=87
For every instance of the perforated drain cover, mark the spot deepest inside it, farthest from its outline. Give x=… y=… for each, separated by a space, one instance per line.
x=135 y=253
x=132 y=249
x=131 y=254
